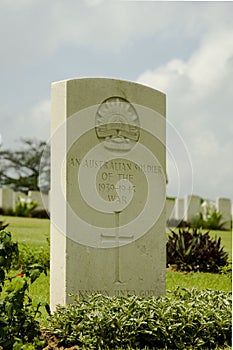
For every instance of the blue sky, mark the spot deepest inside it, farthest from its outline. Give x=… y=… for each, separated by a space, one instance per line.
x=184 y=49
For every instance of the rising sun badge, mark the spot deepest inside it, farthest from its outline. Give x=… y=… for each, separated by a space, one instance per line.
x=117 y=124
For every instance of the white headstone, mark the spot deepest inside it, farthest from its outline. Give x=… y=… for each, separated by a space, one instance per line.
x=107 y=189
x=6 y=198
x=170 y=207
x=179 y=209
x=223 y=206
x=45 y=201
x=192 y=207
x=39 y=198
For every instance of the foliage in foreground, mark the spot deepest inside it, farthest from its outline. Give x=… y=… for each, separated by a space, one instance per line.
x=3 y=225
x=183 y=319
x=18 y=324
x=192 y=250
x=28 y=257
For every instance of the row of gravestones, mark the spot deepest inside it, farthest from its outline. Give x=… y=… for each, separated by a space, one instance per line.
x=10 y=198
x=191 y=206
x=177 y=209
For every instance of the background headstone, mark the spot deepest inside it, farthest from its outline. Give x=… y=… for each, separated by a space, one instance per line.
x=170 y=207
x=192 y=207
x=179 y=209
x=223 y=205
x=40 y=198
x=6 y=198
x=107 y=189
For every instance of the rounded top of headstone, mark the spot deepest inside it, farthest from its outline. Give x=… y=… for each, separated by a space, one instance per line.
x=109 y=79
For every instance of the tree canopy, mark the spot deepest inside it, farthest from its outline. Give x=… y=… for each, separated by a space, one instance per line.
x=27 y=168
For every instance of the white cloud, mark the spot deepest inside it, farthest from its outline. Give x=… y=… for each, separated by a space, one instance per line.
x=199 y=97
x=40 y=113
x=36 y=29
x=34 y=122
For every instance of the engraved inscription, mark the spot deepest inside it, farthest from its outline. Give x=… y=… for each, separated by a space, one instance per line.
x=116 y=165
x=116 y=181
x=118 y=292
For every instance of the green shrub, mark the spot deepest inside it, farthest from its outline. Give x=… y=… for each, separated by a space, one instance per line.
x=24 y=207
x=18 y=324
x=210 y=219
x=8 y=253
x=2 y=225
x=28 y=257
x=192 y=250
x=185 y=319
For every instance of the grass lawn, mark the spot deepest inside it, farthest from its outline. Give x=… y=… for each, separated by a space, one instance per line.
x=26 y=230
x=199 y=280
x=33 y=232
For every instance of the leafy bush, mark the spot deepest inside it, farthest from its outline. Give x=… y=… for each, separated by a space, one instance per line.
x=226 y=270
x=195 y=251
x=209 y=218
x=2 y=225
x=18 y=324
x=185 y=319
x=8 y=253
x=28 y=257
x=24 y=207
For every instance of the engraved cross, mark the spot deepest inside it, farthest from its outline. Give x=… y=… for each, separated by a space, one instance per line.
x=117 y=238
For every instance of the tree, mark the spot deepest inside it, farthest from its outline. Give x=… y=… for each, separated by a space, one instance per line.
x=27 y=168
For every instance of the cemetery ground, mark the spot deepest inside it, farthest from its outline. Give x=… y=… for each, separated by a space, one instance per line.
x=32 y=235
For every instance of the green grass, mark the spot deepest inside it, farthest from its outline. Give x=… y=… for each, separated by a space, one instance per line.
x=27 y=230
x=199 y=280
x=226 y=240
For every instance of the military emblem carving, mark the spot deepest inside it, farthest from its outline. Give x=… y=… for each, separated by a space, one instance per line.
x=117 y=124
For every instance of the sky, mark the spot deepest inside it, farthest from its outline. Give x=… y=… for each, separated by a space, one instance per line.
x=184 y=49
